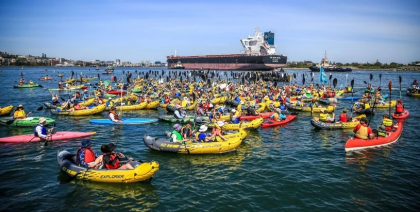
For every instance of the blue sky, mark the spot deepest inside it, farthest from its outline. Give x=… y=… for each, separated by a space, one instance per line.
x=351 y=31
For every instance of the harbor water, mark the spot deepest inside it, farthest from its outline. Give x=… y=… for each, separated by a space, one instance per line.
x=288 y=168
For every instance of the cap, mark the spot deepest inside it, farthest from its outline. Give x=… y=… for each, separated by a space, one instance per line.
x=220 y=123
x=203 y=128
x=86 y=142
x=109 y=98
x=20 y=106
x=42 y=120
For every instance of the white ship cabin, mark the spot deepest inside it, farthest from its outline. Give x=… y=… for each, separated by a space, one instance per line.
x=256 y=45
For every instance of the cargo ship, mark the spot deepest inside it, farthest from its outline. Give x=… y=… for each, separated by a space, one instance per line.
x=327 y=67
x=259 y=54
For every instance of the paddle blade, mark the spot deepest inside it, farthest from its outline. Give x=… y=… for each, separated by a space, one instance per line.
x=335 y=82
x=352 y=84
x=40 y=108
x=43 y=86
x=294 y=75
x=371 y=77
x=10 y=122
x=380 y=76
x=400 y=79
x=365 y=82
x=390 y=85
x=330 y=76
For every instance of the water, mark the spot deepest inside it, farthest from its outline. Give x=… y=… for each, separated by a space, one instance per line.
x=294 y=168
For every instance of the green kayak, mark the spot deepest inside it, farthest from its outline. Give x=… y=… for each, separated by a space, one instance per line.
x=26 y=86
x=137 y=90
x=28 y=122
x=107 y=95
x=171 y=118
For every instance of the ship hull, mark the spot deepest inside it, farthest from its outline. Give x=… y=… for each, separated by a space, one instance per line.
x=236 y=62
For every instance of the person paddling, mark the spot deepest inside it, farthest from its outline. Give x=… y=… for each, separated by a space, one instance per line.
x=113 y=115
x=362 y=130
x=20 y=113
x=85 y=156
x=42 y=132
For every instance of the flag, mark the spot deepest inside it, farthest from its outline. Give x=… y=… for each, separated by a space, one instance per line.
x=322 y=76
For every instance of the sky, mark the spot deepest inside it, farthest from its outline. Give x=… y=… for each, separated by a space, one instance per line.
x=350 y=31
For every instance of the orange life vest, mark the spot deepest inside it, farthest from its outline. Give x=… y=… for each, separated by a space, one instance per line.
x=399 y=108
x=343 y=117
x=89 y=155
x=115 y=115
x=111 y=161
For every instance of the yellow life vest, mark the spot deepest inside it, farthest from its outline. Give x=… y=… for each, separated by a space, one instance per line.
x=19 y=113
x=387 y=122
x=362 y=132
x=367 y=106
x=323 y=117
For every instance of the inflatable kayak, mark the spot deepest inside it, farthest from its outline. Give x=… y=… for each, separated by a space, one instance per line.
x=61 y=135
x=386 y=104
x=403 y=115
x=44 y=78
x=252 y=125
x=27 y=86
x=194 y=147
x=130 y=107
x=265 y=115
x=197 y=119
x=333 y=126
x=328 y=109
x=6 y=110
x=116 y=92
x=272 y=123
x=27 y=122
x=354 y=144
x=84 y=112
x=143 y=172
x=68 y=88
x=152 y=105
x=131 y=121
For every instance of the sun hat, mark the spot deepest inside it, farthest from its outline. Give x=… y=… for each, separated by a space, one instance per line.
x=86 y=142
x=20 y=106
x=233 y=110
x=203 y=128
x=220 y=123
x=42 y=120
x=109 y=98
x=177 y=127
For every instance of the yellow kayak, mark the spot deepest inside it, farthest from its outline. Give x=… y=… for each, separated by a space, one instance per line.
x=6 y=110
x=85 y=112
x=131 y=107
x=142 y=172
x=386 y=105
x=152 y=105
x=328 y=109
x=252 y=125
x=86 y=103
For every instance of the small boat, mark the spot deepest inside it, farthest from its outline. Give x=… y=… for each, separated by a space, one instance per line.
x=27 y=86
x=45 y=78
x=265 y=115
x=109 y=70
x=26 y=122
x=412 y=91
x=272 y=123
x=143 y=172
x=403 y=115
x=333 y=126
x=125 y=121
x=252 y=125
x=194 y=147
x=354 y=144
x=178 y=65
x=60 y=135
x=6 y=110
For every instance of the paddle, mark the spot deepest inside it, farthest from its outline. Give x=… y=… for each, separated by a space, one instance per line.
x=380 y=80
x=373 y=108
x=390 y=100
x=335 y=82
x=371 y=77
x=400 y=86
x=352 y=84
x=12 y=120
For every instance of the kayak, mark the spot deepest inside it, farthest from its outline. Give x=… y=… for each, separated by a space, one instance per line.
x=194 y=147
x=403 y=115
x=143 y=172
x=328 y=109
x=409 y=93
x=124 y=121
x=43 y=79
x=153 y=105
x=84 y=112
x=333 y=126
x=50 y=106
x=27 y=86
x=116 y=92
x=27 y=122
x=137 y=90
x=359 y=144
x=68 y=88
x=252 y=125
x=130 y=107
x=265 y=115
x=6 y=110
x=386 y=105
x=61 y=135
x=171 y=118
x=349 y=98
x=272 y=123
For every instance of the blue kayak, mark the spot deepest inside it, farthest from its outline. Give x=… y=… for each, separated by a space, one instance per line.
x=124 y=121
x=349 y=98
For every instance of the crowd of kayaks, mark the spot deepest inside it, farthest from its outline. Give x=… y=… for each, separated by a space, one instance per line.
x=234 y=133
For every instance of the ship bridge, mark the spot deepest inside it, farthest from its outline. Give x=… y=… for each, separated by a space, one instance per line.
x=259 y=44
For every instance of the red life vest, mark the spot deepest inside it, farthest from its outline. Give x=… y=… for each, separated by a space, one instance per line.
x=166 y=101
x=115 y=115
x=77 y=107
x=111 y=161
x=343 y=117
x=399 y=108
x=89 y=155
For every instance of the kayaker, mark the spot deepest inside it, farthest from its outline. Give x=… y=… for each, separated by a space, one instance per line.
x=20 y=113
x=277 y=116
x=110 y=103
x=99 y=99
x=324 y=116
x=112 y=159
x=399 y=108
x=76 y=106
x=85 y=94
x=217 y=131
x=234 y=116
x=283 y=108
x=178 y=113
x=54 y=99
x=201 y=134
x=113 y=115
x=86 y=157
x=42 y=132
x=387 y=122
x=31 y=82
x=362 y=130
x=21 y=81
x=186 y=131
x=345 y=117
x=200 y=110
x=251 y=110
x=176 y=134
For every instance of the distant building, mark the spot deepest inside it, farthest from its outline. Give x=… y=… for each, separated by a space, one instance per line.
x=158 y=63
x=118 y=62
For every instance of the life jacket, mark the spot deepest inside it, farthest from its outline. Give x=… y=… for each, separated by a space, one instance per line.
x=89 y=155
x=189 y=132
x=115 y=115
x=362 y=132
x=178 y=135
x=200 y=136
x=19 y=113
x=387 y=122
x=343 y=117
x=399 y=108
x=323 y=117
x=109 y=103
x=77 y=107
x=367 y=106
x=282 y=107
x=44 y=130
x=100 y=101
x=111 y=161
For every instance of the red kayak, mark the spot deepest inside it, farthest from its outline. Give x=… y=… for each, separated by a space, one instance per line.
x=358 y=144
x=403 y=115
x=55 y=137
x=265 y=115
x=43 y=79
x=272 y=123
x=116 y=92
